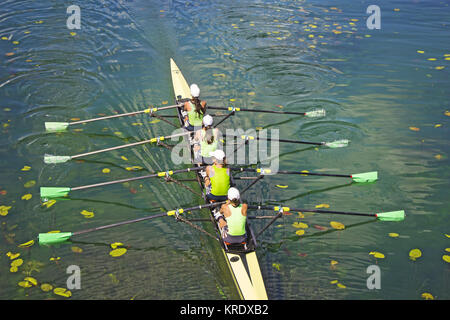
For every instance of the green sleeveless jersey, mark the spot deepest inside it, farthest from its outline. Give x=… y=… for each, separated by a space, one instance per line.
x=220 y=181
x=195 y=119
x=206 y=148
x=236 y=222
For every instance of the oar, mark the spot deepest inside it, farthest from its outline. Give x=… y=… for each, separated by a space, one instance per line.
x=59 y=192
x=311 y=114
x=334 y=144
x=50 y=159
x=60 y=237
x=356 y=177
x=383 y=216
x=62 y=126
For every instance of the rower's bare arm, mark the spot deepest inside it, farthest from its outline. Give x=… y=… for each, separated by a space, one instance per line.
x=244 y=209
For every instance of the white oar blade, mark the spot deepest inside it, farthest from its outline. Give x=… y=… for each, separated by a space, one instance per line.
x=56 y=126
x=49 y=159
x=319 y=113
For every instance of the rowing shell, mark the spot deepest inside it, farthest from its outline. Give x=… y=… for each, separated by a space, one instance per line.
x=242 y=261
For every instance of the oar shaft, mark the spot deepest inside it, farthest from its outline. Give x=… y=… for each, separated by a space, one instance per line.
x=113 y=225
x=153 y=175
x=261 y=111
x=315 y=210
x=122 y=115
x=127 y=145
x=119 y=224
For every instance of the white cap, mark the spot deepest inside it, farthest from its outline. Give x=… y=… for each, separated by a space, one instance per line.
x=233 y=193
x=195 y=90
x=218 y=154
x=207 y=120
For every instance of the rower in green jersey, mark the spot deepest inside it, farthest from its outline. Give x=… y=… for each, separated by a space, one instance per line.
x=217 y=177
x=208 y=141
x=194 y=110
x=234 y=219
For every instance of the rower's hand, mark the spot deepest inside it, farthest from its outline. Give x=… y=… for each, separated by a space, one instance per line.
x=222 y=223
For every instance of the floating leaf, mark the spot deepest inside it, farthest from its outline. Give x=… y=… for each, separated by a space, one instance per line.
x=447 y=249
x=420 y=51
x=118 y=252
x=281 y=186
x=427 y=296
x=29 y=184
x=340 y=285
x=13 y=269
x=154 y=121
x=414 y=128
x=227 y=54
x=77 y=249
x=333 y=281
x=377 y=254
x=62 y=292
x=300 y=232
x=26 y=244
x=415 y=254
x=46 y=287
x=300 y=225
x=116 y=244
x=276 y=266
x=337 y=225
x=438 y=125
x=27 y=196
x=333 y=262
x=13 y=256
x=439 y=67
x=124 y=158
x=106 y=170
x=24 y=284
x=49 y=203
x=393 y=235
x=4 y=210
x=31 y=280
x=322 y=205
x=447 y=113
x=55 y=258
x=165 y=102
x=446 y=258
x=26 y=168
x=251 y=93
x=17 y=263
x=87 y=214
x=73 y=34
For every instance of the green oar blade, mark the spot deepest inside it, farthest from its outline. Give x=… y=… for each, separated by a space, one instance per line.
x=49 y=159
x=391 y=216
x=365 y=177
x=316 y=113
x=56 y=126
x=337 y=144
x=53 y=238
x=54 y=192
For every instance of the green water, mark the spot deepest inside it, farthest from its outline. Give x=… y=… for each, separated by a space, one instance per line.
x=275 y=55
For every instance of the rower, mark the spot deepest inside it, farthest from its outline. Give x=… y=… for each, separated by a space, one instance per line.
x=217 y=177
x=234 y=219
x=208 y=138
x=194 y=110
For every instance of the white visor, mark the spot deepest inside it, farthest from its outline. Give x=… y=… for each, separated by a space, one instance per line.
x=195 y=90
